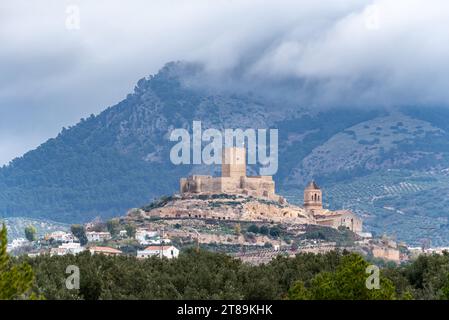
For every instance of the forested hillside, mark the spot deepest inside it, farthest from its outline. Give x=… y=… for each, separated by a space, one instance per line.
x=119 y=159
x=206 y=275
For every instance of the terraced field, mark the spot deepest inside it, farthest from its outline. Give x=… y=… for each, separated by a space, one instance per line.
x=413 y=206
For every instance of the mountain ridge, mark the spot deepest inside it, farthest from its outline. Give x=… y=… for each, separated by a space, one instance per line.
x=119 y=159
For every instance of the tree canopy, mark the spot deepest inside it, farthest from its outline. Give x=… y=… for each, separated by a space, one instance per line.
x=16 y=280
x=30 y=233
x=207 y=275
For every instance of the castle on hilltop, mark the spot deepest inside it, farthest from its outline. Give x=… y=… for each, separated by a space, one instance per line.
x=233 y=180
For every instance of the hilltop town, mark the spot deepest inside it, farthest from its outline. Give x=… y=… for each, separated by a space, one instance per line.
x=233 y=213
x=238 y=197
x=244 y=205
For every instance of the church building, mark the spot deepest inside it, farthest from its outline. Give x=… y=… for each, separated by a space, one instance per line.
x=313 y=202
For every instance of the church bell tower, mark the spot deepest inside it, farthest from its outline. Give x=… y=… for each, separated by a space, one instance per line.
x=313 y=197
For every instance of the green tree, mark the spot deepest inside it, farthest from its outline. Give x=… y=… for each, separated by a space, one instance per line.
x=113 y=226
x=91 y=284
x=268 y=245
x=445 y=289
x=264 y=230
x=79 y=232
x=16 y=281
x=299 y=292
x=348 y=282
x=99 y=227
x=30 y=233
x=130 y=230
x=275 y=232
x=253 y=228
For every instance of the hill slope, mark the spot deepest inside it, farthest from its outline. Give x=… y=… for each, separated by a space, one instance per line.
x=119 y=159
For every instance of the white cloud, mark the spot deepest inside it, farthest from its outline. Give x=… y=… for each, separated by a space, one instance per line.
x=351 y=52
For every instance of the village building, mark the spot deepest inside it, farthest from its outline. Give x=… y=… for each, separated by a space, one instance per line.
x=93 y=236
x=123 y=234
x=108 y=251
x=168 y=252
x=143 y=235
x=159 y=241
x=414 y=252
x=67 y=248
x=386 y=248
x=386 y=253
x=16 y=243
x=35 y=254
x=313 y=202
x=60 y=236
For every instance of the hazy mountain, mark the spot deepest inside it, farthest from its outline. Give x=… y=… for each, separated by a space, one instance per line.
x=388 y=165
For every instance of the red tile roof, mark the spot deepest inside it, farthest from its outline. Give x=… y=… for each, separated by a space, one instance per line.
x=105 y=249
x=154 y=248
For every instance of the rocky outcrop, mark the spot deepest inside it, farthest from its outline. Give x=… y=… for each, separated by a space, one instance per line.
x=226 y=207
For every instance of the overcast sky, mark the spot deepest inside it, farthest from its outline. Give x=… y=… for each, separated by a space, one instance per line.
x=63 y=60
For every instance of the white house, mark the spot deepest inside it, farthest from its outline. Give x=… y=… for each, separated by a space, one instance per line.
x=365 y=235
x=67 y=248
x=158 y=241
x=16 y=243
x=93 y=236
x=142 y=235
x=168 y=252
x=108 y=251
x=34 y=254
x=123 y=234
x=60 y=236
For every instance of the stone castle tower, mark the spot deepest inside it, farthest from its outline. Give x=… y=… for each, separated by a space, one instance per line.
x=313 y=197
x=233 y=164
x=233 y=179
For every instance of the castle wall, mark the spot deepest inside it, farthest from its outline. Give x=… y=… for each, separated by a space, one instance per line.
x=199 y=184
x=262 y=183
x=232 y=180
x=343 y=218
x=211 y=185
x=386 y=253
x=258 y=187
x=230 y=184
